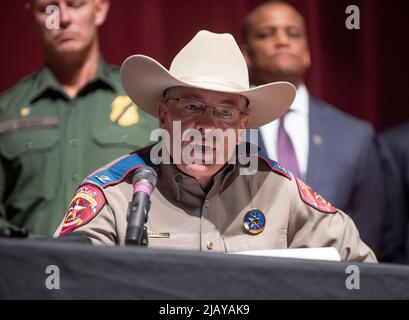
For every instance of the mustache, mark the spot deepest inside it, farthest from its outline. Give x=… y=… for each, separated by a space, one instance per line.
x=201 y=137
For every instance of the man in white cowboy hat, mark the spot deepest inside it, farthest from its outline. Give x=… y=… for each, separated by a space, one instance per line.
x=221 y=206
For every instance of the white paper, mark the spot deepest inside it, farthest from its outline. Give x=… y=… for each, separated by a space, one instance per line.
x=329 y=254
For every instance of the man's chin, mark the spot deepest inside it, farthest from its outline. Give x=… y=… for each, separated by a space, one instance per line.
x=285 y=68
x=69 y=48
x=282 y=73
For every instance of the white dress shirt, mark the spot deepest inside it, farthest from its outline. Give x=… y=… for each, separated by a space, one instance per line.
x=297 y=126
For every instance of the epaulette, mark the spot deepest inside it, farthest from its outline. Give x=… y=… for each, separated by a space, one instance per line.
x=118 y=170
x=273 y=165
x=313 y=199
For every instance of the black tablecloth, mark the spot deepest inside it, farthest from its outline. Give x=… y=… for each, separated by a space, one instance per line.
x=88 y=272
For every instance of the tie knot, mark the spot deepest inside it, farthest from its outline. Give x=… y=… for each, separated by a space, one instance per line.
x=282 y=118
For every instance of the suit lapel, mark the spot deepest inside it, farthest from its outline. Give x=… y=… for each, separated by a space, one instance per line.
x=316 y=145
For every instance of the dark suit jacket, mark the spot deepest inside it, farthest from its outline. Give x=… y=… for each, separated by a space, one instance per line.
x=344 y=167
x=394 y=146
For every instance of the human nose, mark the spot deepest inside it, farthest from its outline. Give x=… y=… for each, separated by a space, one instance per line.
x=281 y=38
x=207 y=118
x=65 y=15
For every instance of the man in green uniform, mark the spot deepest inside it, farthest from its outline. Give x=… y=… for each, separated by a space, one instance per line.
x=62 y=122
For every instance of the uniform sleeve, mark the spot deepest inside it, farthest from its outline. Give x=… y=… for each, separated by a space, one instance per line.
x=7 y=228
x=394 y=231
x=94 y=220
x=313 y=228
x=3 y=217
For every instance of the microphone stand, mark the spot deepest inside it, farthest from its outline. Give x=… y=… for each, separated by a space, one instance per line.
x=144 y=242
x=134 y=224
x=144 y=181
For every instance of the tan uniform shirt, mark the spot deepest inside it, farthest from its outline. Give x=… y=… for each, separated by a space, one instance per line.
x=184 y=216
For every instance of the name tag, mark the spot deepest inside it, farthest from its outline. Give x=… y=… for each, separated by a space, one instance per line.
x=159 y=235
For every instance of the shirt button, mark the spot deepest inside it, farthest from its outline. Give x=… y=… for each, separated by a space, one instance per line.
x=74 y=141
x=74 y=109
x=123 y=137
x=207 y=203
x=6 y=232
x=209 y=245
x=29 y=145
x=75 y=178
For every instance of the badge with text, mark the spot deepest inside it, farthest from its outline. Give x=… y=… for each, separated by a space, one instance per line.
x=124 y=111
x=313 y=199
x=87 y=203
x=254 y=222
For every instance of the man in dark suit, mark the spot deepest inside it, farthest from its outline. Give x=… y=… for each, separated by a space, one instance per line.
x=334 y=152
x=394 y=147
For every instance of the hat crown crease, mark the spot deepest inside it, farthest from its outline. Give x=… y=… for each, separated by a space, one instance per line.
x=212 y=60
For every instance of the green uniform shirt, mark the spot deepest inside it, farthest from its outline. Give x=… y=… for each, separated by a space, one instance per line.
x=49 y=143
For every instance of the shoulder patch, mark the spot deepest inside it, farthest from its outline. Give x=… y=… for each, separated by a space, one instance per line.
x=117 y=171
x=313 y=199
x=86 y=204
x=274 y=165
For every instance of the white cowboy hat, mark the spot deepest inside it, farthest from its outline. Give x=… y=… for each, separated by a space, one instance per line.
x=209 y=61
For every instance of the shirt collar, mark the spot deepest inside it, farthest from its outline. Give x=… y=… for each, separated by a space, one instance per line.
x=47 y=82
x=180 y=187
x=103 y=74
x=300 y=103
x=185 y=189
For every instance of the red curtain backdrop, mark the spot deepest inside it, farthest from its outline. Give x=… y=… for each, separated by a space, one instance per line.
x=363 y=72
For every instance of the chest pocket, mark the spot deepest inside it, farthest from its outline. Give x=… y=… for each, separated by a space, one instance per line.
x=121 y=125
x=115 y=136
x=274 y=239
x=32 y=163
x=28 y=142
x=108 y=134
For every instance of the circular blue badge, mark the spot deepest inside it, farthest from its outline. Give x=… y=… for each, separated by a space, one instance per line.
x=254 y=222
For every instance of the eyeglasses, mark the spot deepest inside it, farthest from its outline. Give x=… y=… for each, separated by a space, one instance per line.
x=188 y=108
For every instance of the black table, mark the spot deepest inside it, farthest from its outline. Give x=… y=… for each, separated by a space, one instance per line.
x=88 y=272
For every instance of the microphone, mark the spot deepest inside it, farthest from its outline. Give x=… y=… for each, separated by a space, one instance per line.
x=144 y=181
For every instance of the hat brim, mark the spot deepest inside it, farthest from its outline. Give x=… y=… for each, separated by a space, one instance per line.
x=144 y=80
